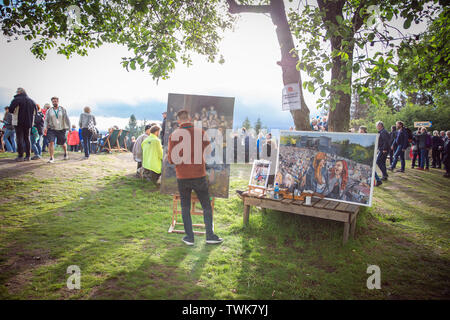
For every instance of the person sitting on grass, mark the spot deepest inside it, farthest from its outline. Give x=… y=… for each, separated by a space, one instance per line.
x=137 y=149
x=191 y=174
x=152 y=154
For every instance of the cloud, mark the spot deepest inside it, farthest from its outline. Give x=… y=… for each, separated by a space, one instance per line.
x=104 y=123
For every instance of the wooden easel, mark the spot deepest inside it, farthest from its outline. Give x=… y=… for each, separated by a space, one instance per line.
x=256 y=191
x=194 y=211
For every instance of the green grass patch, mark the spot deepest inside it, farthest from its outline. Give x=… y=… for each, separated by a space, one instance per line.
x=114 y=227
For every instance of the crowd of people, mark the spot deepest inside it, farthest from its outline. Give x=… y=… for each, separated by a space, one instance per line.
x=319 y=124
x=29 y=128
x=395 y=143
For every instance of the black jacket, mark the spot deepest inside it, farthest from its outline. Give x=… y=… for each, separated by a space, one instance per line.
x=446 y=158
x=39 y=122
x=384 y=142
x=437 y=142
x=163 y=130
x=27 y=110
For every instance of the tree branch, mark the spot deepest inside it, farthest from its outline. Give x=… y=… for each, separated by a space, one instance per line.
x=233 y=7
x=357 y=20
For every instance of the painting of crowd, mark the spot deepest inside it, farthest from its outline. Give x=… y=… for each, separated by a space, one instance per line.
x=302 y=168
x=207 y=112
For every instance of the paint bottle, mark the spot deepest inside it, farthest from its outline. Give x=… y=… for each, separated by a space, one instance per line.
x=276 y=191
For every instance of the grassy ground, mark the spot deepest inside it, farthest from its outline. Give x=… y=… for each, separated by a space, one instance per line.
x=95 y=214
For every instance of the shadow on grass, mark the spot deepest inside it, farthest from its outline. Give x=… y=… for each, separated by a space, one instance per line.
x=9 y=168
x=286 y=256
x=117 y=236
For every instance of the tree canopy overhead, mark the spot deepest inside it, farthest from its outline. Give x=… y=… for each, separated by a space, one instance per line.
x=157 y=32
x=335 y=39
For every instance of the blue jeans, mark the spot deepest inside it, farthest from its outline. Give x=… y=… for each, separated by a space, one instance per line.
x=399 y=153
x=36 y=146
x=44 y=143
x=424 y=161
x=10 y=133
x=381 y=162
x=200 y=186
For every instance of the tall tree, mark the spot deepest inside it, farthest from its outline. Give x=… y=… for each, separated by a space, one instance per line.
x=351 y=29
x=258 y=125
x=132 y=126
x=246 y=124
x=289 y=58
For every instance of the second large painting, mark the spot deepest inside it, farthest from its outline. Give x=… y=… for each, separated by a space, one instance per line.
x=339 y=166
x=207 y=112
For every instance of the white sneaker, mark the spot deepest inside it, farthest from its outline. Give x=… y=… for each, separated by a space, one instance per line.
x=51 y=160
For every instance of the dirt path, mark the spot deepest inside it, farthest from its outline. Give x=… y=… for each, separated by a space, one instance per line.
x=94 y=167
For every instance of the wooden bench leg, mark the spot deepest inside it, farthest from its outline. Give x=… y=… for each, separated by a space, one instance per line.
x=346 y=229
x=353 y=225
x=246 y=213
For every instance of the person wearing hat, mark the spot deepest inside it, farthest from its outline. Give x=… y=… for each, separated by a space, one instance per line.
x=163 y=127
x=137 y=148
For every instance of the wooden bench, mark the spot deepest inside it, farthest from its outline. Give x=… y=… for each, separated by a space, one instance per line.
x=319 y=208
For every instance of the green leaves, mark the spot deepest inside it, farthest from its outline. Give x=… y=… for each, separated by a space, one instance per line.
x=156 y=32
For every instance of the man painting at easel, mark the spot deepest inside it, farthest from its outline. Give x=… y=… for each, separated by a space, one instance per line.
x=191 y=174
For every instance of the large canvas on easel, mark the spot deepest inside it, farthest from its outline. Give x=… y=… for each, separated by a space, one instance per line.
x=340 y=166
x=207 y=112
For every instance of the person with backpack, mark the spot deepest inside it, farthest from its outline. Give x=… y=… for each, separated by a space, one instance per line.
x=87 y=125
x=401 y=143
x=36 y=131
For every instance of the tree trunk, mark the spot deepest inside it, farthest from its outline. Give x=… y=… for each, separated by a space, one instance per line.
x=289 y=60
x=339 y=116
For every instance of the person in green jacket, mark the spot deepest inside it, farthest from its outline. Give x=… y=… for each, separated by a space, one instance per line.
x=152 y=155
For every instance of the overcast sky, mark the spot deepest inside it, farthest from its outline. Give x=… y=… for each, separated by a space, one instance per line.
x=250 y=74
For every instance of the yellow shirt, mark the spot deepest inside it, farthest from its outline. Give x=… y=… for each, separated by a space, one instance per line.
x=152 y=153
